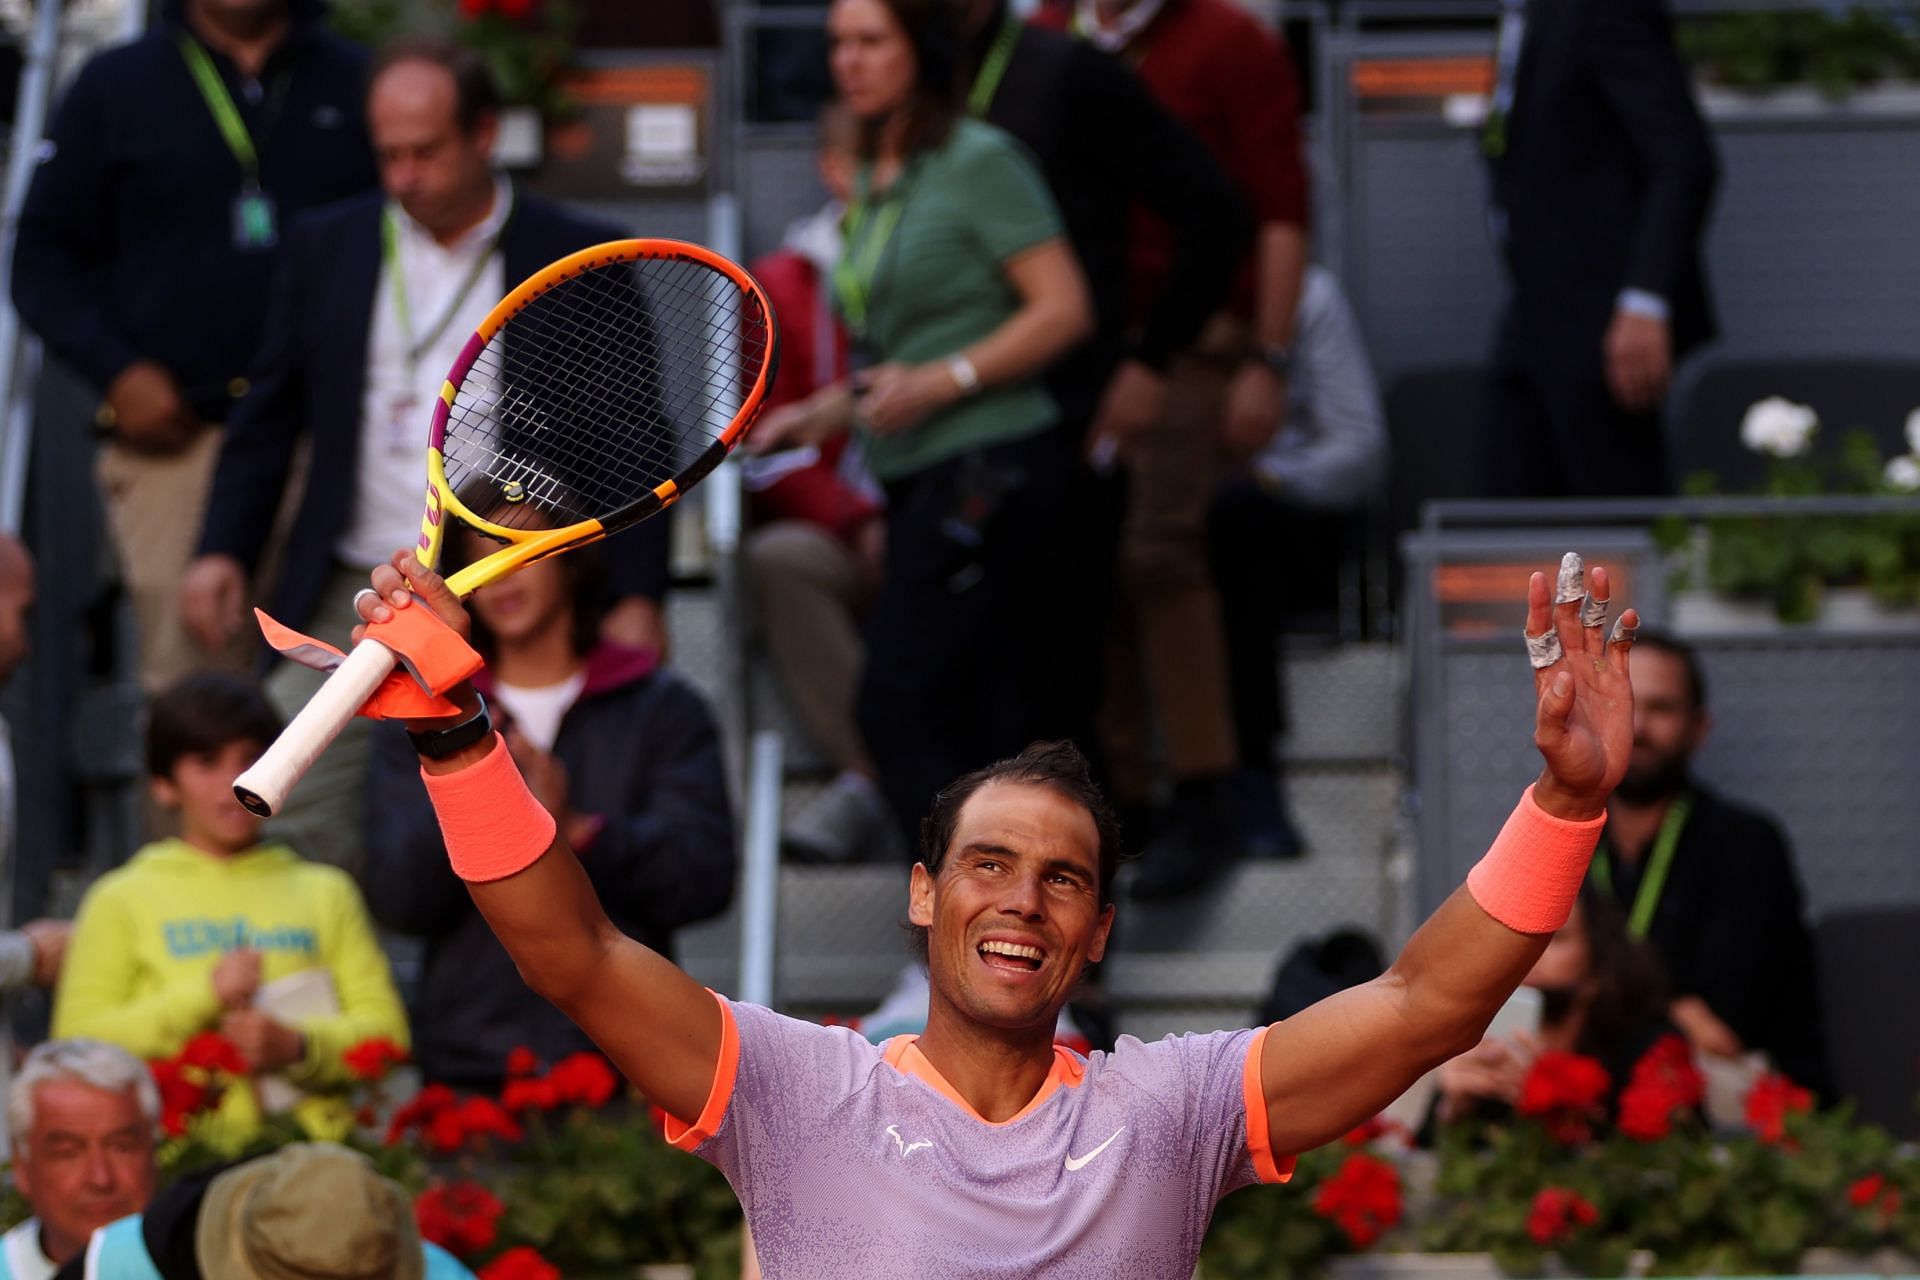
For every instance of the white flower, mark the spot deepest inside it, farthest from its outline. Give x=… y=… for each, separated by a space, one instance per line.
x=1780 y=427
x=1903 y=473
x=1913 y=431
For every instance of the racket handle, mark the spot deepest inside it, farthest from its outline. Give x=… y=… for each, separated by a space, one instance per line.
x=263 y=788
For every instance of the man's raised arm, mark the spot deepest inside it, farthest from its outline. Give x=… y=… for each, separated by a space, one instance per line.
x=1338 y=1063
x=660 y=1027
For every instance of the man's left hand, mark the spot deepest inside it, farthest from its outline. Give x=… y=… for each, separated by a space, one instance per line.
x=266 y=1044
x=636 y=623
x=1639 y=354
x=1256 y=402
x=1584 y=723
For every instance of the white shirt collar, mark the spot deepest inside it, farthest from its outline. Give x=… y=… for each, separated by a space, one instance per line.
x=485 y=232
x=1114 y=36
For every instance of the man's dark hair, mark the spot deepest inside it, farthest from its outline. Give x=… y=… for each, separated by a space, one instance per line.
x=932 y=27
x=203 y=713
x=1629 y=990
x=475 y=94
x=1689 y=661
x=1057 y=766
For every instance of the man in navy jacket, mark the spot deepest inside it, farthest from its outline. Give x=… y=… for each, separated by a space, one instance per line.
x=373 y=296
x=157 y=209
x=1603 y=172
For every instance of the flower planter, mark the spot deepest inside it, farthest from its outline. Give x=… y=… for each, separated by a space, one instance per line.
x=520 y=144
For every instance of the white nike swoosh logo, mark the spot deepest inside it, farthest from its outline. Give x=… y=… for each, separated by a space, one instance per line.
x=1077 y=1163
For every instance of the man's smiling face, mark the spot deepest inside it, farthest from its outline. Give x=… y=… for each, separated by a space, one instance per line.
x=1014 y=913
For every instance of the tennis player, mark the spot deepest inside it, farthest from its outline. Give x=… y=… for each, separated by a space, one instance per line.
x=980 y=1149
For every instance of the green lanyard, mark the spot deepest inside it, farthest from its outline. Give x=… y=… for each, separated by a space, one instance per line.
x=869 y=230
x=225 y=115
x=1654 y=883
x=390 y=258
x=987 y=82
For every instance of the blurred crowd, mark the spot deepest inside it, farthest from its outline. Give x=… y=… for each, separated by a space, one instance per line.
x=1068 y=424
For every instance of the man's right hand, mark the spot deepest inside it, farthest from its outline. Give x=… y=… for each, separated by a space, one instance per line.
x=49 y=939
x=402 y=583
x=236 y=978
x=1134 y=401
x=149 y=413
x=213 y=599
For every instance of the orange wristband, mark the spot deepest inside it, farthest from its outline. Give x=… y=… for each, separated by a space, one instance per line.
x=1530 y=878
x=492 y=825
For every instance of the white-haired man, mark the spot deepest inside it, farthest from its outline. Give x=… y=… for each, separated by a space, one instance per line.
x=84 y=1118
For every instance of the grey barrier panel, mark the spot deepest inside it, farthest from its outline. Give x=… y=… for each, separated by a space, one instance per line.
x=1813 y=724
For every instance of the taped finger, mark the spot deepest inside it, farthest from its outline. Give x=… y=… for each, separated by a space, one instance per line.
x=1543 y=651
x=364 y=593
x=1572 y=582
x=1622 y=633
x=1593 y=613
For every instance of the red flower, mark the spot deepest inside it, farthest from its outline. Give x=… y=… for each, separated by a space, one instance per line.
x=1362 y=1198
x=515 y=9
x=584 y=1079
x=460 y=1217
x=1872 y=1192
x=373 y=1059
x=1866 y=1191
x=1557 y=1213
x=471 y=9
x=1771 y=1101
x=419 y=1112
x=1378 y=1127
x=181 y=1098
x=1564 y=1090
x=1664 y=1081
x=529 y=1095
x=519 y=1264
x=211 y=1051
x=522 y=1062
x=485 y=1118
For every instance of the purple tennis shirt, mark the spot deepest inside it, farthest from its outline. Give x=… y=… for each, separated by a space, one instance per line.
x=857 y=1160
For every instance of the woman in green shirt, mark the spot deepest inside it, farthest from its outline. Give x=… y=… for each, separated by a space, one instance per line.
x=958 y=287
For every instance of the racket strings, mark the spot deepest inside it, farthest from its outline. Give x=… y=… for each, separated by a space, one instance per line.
x=600 y=390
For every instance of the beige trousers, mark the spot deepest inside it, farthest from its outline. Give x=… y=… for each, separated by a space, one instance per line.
x=154 y=505
x=810 y=593
x=1167 y=661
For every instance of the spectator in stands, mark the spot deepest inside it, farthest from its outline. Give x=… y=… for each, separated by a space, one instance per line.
x=375 y=299
x=1271 y=529
x=313 y=1210
x=84 y=1119
x=623 y=754
x=814 y=557
x=1602 y=175
x=960 y=289
x=31 y=954
x=1601 y=996
x=213 y=930
x=1111 y=155
x=1231 y=81
x=164 y=187
x=1710 y=884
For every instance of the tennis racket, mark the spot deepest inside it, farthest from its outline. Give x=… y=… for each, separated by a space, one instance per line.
x=593 y=396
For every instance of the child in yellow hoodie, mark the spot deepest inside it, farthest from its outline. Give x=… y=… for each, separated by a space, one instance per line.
x=186 y=936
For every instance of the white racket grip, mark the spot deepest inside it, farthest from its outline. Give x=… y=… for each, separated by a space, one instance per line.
x=264 y=787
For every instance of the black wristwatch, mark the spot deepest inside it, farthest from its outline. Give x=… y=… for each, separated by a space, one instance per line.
x=438 y=744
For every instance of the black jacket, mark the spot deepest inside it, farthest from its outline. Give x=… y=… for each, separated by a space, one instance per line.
x=126 y=247
x=310 y=377
x=1606 y=178
x=1108 y=148
x=641 y=751
x=1730 y=928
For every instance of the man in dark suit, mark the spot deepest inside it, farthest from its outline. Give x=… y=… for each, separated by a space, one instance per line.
x=373 y=300
x=1602 y=175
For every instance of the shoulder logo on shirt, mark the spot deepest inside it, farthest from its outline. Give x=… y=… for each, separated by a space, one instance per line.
x=1076 y=1163
x=908 y=1148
